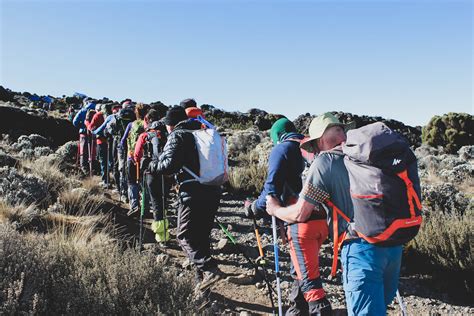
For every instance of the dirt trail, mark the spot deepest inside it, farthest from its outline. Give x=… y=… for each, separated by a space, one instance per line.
x=240 y=292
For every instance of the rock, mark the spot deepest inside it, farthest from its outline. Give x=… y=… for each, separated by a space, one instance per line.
x=17 y=188
x=241 y=279
x=466 y=152
x=284 y=285
x=68 y=152
x=425 y=150
x=42 y=151
x=59 y=131
x=162 y=259
x=242 y=142
x=221 y=244
x=7 y=160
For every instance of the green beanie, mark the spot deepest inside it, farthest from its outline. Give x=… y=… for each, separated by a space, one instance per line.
x=280 y=127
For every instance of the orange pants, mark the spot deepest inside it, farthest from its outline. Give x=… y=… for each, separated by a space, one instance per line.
x=305 y=240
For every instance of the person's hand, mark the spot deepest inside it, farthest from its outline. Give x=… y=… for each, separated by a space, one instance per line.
x=272 y=205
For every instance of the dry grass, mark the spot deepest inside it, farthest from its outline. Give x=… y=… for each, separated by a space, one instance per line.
x=247 y=180
x=83 y=274
x=79 y=202
x=50 y=172
x=445 y=240
x=92 y=185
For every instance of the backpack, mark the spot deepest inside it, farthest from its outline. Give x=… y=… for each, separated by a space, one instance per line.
x=152 y=148
x=382 y=173
x=212 y=152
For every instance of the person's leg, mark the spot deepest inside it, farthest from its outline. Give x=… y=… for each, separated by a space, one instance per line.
x=132 y=185
x=122 y=160
x=363 y=268
x=392 y=272
x=305 y=243
x=159 y=225
x=103 y=161
x=84 y=153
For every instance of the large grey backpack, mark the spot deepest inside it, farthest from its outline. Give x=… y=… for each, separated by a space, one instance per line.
x=384 y=185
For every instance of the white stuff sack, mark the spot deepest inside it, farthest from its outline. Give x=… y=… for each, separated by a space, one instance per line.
x=212 y=151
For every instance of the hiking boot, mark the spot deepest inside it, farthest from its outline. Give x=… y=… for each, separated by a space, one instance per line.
x=132 y=211
x=320 y=307
x=209 y=278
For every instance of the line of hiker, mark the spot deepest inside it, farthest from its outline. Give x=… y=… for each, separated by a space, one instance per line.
x=361 y=189
x=144 y=147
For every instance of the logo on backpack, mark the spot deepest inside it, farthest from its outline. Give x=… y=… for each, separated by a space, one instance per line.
x=396 y=162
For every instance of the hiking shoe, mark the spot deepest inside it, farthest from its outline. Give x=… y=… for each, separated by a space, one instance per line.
x=209 y=278
x=132 y=211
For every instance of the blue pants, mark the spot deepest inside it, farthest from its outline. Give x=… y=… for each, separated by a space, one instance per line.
x=370 y=276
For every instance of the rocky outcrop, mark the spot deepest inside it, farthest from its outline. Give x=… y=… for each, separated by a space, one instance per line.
x=412 y=134
x=15 y=122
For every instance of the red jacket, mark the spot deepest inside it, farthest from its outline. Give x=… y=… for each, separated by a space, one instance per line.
x=97 y=121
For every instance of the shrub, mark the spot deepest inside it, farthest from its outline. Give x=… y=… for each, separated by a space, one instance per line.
x=445 y=240
x=451 y=131
x=48 y=275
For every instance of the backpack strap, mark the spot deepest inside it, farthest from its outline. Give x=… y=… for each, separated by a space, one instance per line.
x=411 y=193
x=338 y=239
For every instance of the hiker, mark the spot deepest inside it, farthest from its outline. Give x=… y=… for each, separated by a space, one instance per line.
x=370 y=272
x=116 y=127
x=84 y=142
x=96 y=121
x=148 y=147
x=285 y=166
x=133 y=130
x=198 y=203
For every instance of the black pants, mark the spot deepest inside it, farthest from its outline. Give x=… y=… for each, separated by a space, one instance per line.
x=197 y=209
x=155 y=191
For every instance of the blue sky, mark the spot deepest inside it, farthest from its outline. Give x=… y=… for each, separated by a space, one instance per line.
x=406 y=60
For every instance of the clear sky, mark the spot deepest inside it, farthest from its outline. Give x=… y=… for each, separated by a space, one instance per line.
x=401 y=59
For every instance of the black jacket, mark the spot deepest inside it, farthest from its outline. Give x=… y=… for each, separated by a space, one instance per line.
x=180 y=150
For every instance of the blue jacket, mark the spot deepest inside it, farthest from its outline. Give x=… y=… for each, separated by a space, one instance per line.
x=78 y=120
x=285 y=166
x=101 y=129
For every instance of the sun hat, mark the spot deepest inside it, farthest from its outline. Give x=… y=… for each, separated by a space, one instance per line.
x=317 y=128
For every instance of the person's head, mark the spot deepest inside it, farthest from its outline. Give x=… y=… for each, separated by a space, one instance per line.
x=116 y=107
x=188 y=103
x=152 y=116
x=325 y=133
x=280 y=128
x=174 y=116
x=141 y=110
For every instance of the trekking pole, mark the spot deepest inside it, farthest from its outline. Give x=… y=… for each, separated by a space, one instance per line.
x=277 y=266
x=142 y=214
x=261 y=261
x=231 y=238
x=163 y=201
x=90 y=153
x=107 y=163
x=402 y=305
x=78 y=148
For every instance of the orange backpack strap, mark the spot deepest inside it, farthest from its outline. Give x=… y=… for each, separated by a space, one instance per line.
x=411 y=193
x=338 y=239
